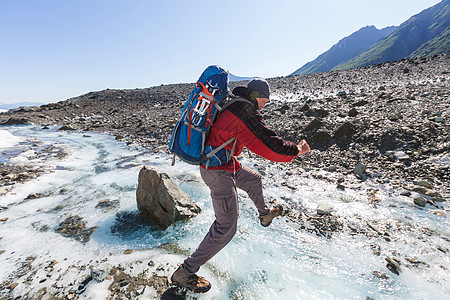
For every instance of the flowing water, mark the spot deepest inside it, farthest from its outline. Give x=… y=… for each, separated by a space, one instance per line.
x=283 y=261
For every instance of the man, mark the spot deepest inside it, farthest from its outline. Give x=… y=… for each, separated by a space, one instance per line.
x=241 y=120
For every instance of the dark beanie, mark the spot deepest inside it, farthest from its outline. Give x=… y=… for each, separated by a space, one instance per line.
x=260 y=86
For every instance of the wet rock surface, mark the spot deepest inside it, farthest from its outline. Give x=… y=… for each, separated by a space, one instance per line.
x=141 y=278
x=36 y=153
x=74 y=227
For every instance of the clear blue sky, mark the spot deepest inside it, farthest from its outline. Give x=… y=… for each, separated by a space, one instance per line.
x=52 y=50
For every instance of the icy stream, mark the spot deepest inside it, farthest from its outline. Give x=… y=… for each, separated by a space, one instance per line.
x=279 y=262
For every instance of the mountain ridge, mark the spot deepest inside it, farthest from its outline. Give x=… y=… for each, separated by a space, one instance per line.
x=413 y=38
x=344 y=50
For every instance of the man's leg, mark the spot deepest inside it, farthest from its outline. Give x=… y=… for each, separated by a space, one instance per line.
x=250 y=181
x=224 y=199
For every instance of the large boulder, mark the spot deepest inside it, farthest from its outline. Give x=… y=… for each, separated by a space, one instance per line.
x=161 y=201
x=344 y=132
x=319 y=140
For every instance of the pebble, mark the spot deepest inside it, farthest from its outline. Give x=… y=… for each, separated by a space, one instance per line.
x=107 y=204
x=33 y=196
x=100 y=273
x=66 y=128
x=393 y=264
x=13 y=286
x=442 y=249
x=439 y=213
x=379 y=274
x=340 y=186
x=432 y=193
x=416 y=262
x=423 y=183
x=438 y=199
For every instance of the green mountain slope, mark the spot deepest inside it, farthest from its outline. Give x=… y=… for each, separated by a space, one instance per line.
x=423 y=34
x=346 y=49
x=438 y=45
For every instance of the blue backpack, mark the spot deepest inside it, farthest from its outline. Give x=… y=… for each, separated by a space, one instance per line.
x=206 y=101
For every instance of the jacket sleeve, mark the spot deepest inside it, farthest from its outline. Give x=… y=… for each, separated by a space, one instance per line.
x=253 y=133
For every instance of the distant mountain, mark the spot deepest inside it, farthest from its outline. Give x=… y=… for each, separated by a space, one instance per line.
x=426 y=33
x=19 y=104
x=345 y=50
x=232 y=77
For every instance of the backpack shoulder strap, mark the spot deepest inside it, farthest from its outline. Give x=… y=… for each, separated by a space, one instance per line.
x=233 y=99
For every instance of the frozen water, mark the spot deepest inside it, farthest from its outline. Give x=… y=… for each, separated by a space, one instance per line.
x=282 y=261
x=7 y=139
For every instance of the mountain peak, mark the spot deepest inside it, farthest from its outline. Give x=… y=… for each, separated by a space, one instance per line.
x=426 y=33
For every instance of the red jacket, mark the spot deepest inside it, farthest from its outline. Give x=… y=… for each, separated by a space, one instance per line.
x=243 y=120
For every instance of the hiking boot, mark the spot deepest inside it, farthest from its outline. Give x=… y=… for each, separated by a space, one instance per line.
x=192 y=282
x=274 y=212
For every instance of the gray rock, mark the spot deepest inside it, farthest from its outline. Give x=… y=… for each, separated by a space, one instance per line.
x=359 y=169
x=345 y=131
x=361 y=103
x=161 y=200
x=313 y=125
x=420 y=201
x=305 y=108
x=332 y=168
x=66 y=128
x=323 y=209
x=404 y=158
x=341 y=187
x=320 y=139
x=100 y=272
x=342 y=94
x=353 y=112
x=393 y=264
x=438 y=199
x=423 y=183
x=394 y=118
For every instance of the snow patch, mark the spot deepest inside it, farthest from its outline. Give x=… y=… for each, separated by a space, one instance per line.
x=7 y=139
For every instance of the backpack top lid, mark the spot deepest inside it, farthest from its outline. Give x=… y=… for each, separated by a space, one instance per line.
x=216 y=78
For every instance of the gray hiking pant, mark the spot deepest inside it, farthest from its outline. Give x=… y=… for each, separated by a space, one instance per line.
x=225 y=203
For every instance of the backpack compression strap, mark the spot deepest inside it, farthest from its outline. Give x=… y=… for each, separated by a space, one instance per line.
x=208 y=156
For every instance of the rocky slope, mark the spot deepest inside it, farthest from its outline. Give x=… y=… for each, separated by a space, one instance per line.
x=392 y=119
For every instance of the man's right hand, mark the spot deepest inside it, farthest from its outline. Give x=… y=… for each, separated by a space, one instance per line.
x=303 y=147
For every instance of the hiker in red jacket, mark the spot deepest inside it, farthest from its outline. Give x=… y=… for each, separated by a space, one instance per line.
x=243 y=121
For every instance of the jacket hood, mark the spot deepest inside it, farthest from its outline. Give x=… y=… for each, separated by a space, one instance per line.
x=244 y=92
